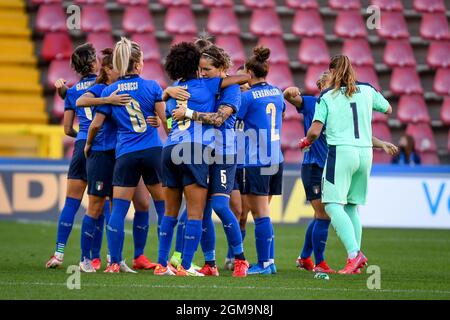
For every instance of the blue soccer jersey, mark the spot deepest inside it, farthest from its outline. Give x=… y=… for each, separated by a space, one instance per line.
x=319 y=149
x=106 y=138
x=84 y=114
x=133 y=134
x=203 y=99
x=262 y=112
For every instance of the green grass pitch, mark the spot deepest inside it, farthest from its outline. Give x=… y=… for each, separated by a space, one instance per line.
x=413 y=264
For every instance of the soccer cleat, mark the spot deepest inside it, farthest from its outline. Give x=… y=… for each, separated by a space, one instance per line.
x=96 y=263
x=323 y=267
x=273 y=268
x=172 y=268
x=191 y=272
x=143 y=263
x=86 y=266
x=125 y=268
x=240 y=268
x=305 y=264
x=354 y=264
x=357 y=271
x=176 y=259
x=229 y=264
x=108 y=260
x=53 y=263
x=207 y=270
x=163 y=271
x=259 y=269
x=113 y=268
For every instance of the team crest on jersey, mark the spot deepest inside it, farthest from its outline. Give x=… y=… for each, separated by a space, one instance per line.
x=99 y=185
x=316 y=189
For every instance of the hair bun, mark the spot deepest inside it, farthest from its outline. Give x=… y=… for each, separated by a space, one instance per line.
x=203 y=42
x=107 y=51
x=262 y=54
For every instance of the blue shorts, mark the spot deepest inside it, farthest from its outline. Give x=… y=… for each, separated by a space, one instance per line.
x=260 y=184
x=239 y=180
x=180 y=172
x=77 y=168
x=130 y=167
x=100 y=169
x=312 y=181
x=221 y=178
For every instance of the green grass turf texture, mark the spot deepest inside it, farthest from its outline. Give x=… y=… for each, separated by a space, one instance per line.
x=413 y=263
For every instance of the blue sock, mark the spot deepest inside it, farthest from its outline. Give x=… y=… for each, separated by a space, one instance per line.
x=87 y=236
x=179 y=242
x=140 y=232
x=165 y=239
x=308 y=245
x=191 y=240
x=65 y=222
x=272 y=246
x=230 y=254
x=319 y=238
x=208 y=239
x=107 y=214
x=263 y=237
x=160 y=208
x=98 y=237
x=115 y=229
x=221 y=205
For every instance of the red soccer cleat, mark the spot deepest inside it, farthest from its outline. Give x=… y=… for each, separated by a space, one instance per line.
x=143 y=263
x=305 y=264
x=323 y=267
x=354 y=264
x=96 y=263
x=163 y=271
x=207 y=270
x=113 y=268
x=240 y=268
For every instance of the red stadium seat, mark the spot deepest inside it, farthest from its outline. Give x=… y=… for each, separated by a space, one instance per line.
x=234 y=47
x=312 y=75
x=137 y=19
x=379 y=117
x=175 y=3
x=434 y=26
x=448 y=143
x=61 y=69
x=183 y=38
x=154 y=71
x=302 y=4
x=393 y=26
x=405 y=81
x=292 y=113
x=95 y=19
x=359 y=52
x=442 y=82
x=344 y=4
x=423 y=136
x=429 y=6
x=56 y=45
x=101 y=40
x=278 y=51
x=293 y=156
x=381 y=157
x=133 y=2
x=413 y=109
x=429 y=158
x=313 y=51
x=308 y=23
x=265 y=22
x=259 y=3
x=50 y=18
x=217 y=3
x=350 y=24
x=280 y=75
x=180 y=20
x=445 y=111
x=292 y=132
x=388 y=5
x=367 y=74
x=90 y=2
x=58 y=107
x=381 y=131
x=223 y=21
x=399 y=53
x=149 y=46
x=438 y=54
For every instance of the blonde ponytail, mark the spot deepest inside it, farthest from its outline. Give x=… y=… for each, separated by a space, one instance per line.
x=126 y=55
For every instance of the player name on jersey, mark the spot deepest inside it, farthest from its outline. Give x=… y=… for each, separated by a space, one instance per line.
x=84 y=85
x=266 y=93
x=128 y=86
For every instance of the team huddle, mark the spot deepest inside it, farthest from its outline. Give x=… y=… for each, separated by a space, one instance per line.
x=223 y=153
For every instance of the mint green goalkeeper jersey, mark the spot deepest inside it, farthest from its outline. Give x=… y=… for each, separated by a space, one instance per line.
x=348 y=121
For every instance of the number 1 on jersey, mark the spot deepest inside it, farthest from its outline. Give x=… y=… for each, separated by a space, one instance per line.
x=355 y=119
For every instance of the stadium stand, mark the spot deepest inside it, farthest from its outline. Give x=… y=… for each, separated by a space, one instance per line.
x=407 y=58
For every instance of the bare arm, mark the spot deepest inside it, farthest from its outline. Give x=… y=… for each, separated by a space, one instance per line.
x=293 y=96
x=389 y=110
x=69 y=117
x=178 y=93
x=94 y=128
x=314 y=131
x=89 y=100
x=160 y=110
x=238 y=79
x=61 y=88
x=214 y=118
x=388 y=147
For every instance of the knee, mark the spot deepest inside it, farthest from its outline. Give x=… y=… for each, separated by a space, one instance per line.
x=141 y=205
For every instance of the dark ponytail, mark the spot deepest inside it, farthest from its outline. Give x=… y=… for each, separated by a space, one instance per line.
x=258 y=62
x=83 y=59
x=107 y=62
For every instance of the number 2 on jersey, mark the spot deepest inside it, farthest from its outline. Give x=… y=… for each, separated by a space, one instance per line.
x=272 y=109
x=136 y=116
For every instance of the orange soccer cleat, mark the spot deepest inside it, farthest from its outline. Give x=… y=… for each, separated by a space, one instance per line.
x=96 y=263
x=240 y=268
x=113 y=268
x=305 y=264
x=323 y=267
x=191 y=272
x=207 y=270
x=354 y=264
x=143 y=263
x=163 y=271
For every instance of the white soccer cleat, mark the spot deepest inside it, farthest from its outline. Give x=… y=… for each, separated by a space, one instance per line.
x=125 y=268
x=86 y=266
x=191 y=272
x=55 y=261
x=163 y=271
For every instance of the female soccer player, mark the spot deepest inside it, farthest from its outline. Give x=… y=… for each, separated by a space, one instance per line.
x=100 y=166
x=346 y=109
x=261 y=110
x=138 y=149
x=185 y=155
x=215 y=62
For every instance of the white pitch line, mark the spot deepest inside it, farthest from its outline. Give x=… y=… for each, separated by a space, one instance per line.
x=50 y=284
